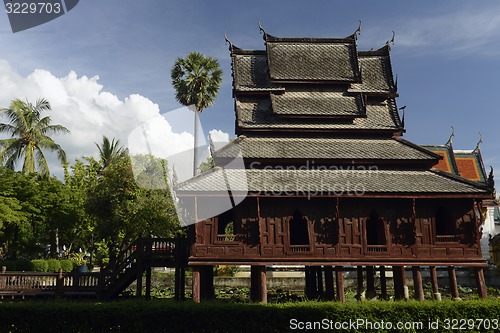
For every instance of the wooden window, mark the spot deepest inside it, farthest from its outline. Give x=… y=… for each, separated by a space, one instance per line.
x=445 y=226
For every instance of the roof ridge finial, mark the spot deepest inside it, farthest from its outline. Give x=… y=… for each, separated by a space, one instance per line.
x=262 y=30
x=391 y=41
x=357 y=32
x=228 y=42
x=450 y=140
x=403 y=117
x=490 y=181
x=479 y=142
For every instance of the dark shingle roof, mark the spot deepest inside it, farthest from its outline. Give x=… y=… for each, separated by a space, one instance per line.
x=376 y=73
x=328 y=182
x=297 y=60
x=314 y=102
x=323 y=148
x=251 y=73
x=256 y=113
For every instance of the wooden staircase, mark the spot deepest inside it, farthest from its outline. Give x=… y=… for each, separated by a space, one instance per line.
x=139 y=258
x=134 y=263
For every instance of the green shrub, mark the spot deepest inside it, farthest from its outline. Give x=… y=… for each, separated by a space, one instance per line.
x=169 y=316
x=24 y=265
x=53 y=265
x=67 y=265
x=39 y=265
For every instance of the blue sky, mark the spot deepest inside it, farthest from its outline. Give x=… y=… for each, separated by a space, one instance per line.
x=110 y=61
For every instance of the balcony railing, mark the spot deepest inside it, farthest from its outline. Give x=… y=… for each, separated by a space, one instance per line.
x=300 y=248
x=376 y=248
x=446 y=238
x=226 y=238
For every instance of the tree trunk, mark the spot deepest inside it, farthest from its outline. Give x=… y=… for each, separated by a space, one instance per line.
x=196 y=134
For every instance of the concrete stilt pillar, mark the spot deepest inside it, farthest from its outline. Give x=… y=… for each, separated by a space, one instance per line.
x=417 y=283
x=339 y=280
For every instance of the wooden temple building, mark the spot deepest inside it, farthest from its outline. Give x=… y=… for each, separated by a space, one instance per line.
x=328 y=181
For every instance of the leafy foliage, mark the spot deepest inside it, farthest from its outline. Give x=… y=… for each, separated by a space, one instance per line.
x=196 y=79
x=168 y=316
x=29 y=136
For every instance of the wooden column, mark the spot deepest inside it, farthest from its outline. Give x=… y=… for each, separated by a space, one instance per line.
x=258 y=287
x=310 y=276
x=359 y=271
x=370 y=282
x=453 y=282
x=263 y=284
x=258 y=284
x=383 y=283
x=138 y=287
x=196 y=284
x=417 y=283
x=319 y=280
x=397 y=272
x=329 y=289
x=207 y=282
x=480 y=282
x=435 y=285
x=148 y=282
x=339 y=280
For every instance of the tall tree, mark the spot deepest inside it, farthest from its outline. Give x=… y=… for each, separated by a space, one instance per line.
x=196 y=79
x=30 y=135
x=109 y=151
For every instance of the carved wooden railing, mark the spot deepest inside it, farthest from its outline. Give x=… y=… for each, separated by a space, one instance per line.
x=446 y=238
x=376 y=249
x=300 y=248
x=23 y=284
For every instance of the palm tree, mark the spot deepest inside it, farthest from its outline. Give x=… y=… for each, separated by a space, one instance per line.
x=29 y=136
x=196 y=79
x=109 y=151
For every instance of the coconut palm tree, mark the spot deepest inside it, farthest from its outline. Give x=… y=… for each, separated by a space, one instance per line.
x=29 y=133
x=109 y=151
x=196 y=79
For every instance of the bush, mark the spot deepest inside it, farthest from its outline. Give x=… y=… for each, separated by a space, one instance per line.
x=168 y=316
x=67 y=265
x=24 y=265
x=53 y=265
x=39 y=265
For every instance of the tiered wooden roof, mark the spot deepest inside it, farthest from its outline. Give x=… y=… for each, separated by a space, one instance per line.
x=320 y=100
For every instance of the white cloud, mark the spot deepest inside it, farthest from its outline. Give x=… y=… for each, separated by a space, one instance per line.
x=218 y=136
x=82 y=105
x=467 y=30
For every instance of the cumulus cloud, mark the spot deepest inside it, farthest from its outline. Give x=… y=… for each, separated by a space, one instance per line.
x=465 y=30
x=81 y=104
